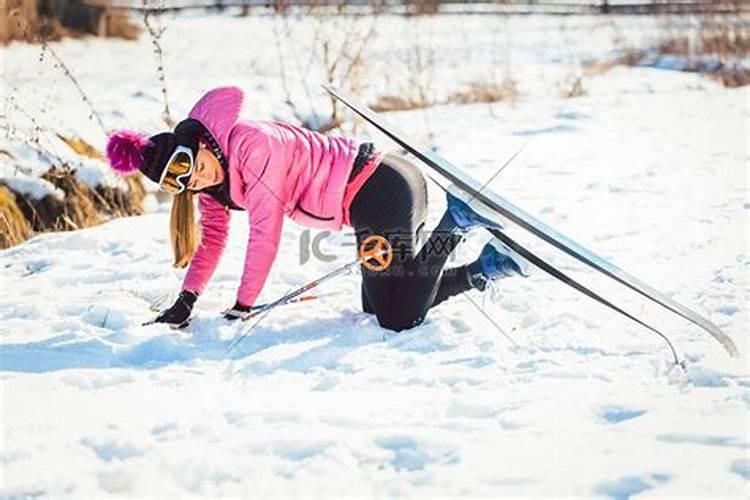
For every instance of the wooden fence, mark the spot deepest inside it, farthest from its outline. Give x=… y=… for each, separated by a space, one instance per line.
x=109 y=17
x=561 y=7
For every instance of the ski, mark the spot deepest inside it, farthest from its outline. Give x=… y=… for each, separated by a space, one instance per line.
x=561 y=276
x=521 y=218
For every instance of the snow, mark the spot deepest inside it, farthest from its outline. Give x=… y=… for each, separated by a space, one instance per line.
x=649 y=168
x=34 y=188
x=30 y=156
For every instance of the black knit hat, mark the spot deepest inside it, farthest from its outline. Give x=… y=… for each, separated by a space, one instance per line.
x=156 y=154
x=129 y=151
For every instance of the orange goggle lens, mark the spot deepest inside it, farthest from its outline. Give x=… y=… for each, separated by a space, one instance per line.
x=178 y=173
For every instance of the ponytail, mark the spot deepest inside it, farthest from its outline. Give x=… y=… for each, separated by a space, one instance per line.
x=183 y=230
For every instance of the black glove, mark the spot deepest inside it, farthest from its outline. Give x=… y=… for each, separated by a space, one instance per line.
x=180 y=311
x=237 y=311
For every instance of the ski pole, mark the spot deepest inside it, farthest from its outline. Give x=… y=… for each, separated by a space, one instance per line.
x=375 y=248
x=260 y=307
x=381 y=252
x=304 y=298
x=295 y=295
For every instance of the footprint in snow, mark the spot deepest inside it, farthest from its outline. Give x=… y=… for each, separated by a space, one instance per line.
x=37 y=266
x=162 y=432
x=110 y=450
x=625 y=487
x=409 y=455
x=294 y=450
x=741 y=468
x=707 y=440
x=617 y=414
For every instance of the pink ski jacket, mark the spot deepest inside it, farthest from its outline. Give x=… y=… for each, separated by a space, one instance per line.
x=275 y=169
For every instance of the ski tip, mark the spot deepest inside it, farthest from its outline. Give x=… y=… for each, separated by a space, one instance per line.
x=722 y=338
x=729 y=345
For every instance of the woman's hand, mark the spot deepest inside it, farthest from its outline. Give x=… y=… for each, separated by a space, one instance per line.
x=237 y=311
x=180 y=311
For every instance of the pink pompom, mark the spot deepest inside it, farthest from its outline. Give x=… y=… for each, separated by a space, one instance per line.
x=125 y=150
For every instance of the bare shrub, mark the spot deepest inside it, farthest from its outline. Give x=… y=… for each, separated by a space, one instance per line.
x=421 y=71
x=62 y=66
x=337 y=49
x=415 y=91
x=152 y=21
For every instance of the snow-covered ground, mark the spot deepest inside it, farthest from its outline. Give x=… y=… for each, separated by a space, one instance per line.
x=649 y=168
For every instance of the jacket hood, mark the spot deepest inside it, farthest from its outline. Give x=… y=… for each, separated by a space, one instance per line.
x=218 y=110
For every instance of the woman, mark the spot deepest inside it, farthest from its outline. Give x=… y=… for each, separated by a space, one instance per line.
x=273 y=169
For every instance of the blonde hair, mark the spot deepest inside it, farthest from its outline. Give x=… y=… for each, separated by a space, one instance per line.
x=183 y=230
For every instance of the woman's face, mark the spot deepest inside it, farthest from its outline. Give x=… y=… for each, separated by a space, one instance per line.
x=208 y=171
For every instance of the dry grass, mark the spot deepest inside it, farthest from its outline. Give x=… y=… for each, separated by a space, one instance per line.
x=487 y=92
x=81 y=205
x=78 y=209
x=399 y=103
x=108 y=200
x=477 y=92
x=21 y=216
x=423 y=7
x=14 y=228
x=43 y=214
x=715 y=41
x=119 y=25
x=717 y=47
x=733 y=79
x=82 y=148
x=118 y=203
x=716 y=52
x=599 y=67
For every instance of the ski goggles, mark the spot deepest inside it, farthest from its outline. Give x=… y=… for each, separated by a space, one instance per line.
x=177 y=173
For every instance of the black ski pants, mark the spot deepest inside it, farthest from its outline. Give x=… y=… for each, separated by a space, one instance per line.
x=393 y=204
